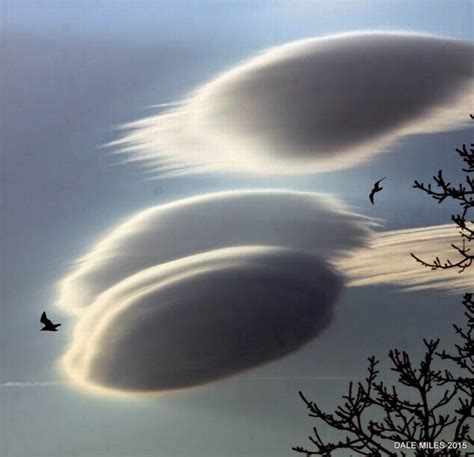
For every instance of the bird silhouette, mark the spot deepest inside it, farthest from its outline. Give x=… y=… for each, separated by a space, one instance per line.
x=375 y=189
x=48 y=325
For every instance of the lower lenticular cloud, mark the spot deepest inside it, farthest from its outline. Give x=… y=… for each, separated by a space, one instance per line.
x=313 y=105
x=200 y=289
x=194 y=291
x=201 y=318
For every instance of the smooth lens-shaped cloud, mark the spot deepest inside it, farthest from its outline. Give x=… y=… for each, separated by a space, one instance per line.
x=298 y=220
x=203 y=288
x=202 y=318
x=313 y=105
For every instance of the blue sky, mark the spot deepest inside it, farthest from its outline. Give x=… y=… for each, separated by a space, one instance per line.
x=75 y=70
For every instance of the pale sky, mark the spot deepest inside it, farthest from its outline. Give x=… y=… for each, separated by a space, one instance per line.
x=72 y=72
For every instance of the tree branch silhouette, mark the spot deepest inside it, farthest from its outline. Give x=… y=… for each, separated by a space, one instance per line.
x=373 y=415
x=432 y=401
x=463 y=194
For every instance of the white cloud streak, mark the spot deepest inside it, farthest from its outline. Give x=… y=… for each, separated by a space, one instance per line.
x=13 y=384
x=388 y=260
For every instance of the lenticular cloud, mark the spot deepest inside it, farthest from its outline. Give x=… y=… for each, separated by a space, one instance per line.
x=200 y=289
x=202 y=318
x=312 y=105
x=296 y=220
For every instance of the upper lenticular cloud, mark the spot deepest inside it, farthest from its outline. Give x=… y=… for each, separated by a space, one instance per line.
x=312 y=105
x=296 y=220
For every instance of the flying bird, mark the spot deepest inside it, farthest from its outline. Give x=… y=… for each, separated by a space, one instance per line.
x=375 y=189
x=48 y=325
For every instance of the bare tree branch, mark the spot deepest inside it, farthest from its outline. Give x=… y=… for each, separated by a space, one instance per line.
x=440 y=406
x=463 y=194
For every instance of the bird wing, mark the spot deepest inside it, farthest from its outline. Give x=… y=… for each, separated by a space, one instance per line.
x=379 y=181
x=44 y=319
x=371 y=196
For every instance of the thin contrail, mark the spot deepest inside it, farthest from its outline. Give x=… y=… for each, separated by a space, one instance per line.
x=316 y=378
x=165 y=105
x=31 y=384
